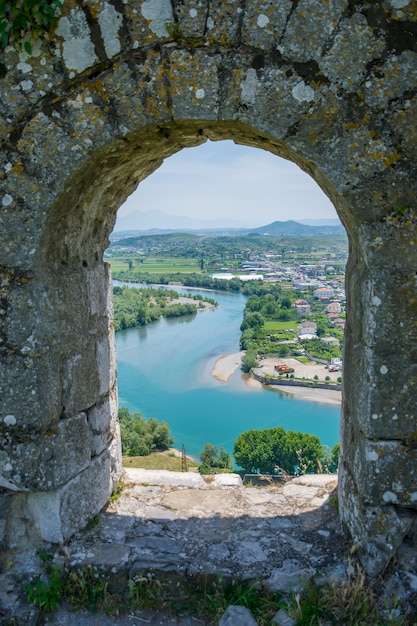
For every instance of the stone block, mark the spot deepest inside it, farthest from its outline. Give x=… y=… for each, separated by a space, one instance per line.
x=223 y=21
x=309 y=27
x=44 y=461
x=164 y=477
x=264 y=23
x=53 y=458
x=345 y=68
x=55 y=515
x=103 y=422
x=192 y=18
x=237 y=615
x=376 y=531
x=30 y=391
x=115 y=450
x=387 y=473
x=85 y=495
x=227 y=480
x=291 y=577
x=200 y=91
x=147 y=21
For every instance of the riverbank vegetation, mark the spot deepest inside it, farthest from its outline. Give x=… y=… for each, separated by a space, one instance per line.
x=268 y=451
x=276 y=451
x=214 y=458
x=141 y=306
x=193 y=279
x=142 y=436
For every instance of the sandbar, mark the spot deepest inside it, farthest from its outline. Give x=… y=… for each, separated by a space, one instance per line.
x=325 y=396
x=311 y=394
x=226 y=366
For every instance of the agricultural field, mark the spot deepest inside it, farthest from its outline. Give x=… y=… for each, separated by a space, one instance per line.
x=154 y=265
x=275 y=326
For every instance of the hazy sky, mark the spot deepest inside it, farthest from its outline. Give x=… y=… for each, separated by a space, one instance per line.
x=221 y=180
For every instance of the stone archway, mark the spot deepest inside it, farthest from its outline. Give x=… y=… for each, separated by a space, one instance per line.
x=330 y=85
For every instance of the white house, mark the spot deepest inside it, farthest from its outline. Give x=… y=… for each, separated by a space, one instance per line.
x=302 y=307
x=333 y=307
x=323 y=293
x=307 y=330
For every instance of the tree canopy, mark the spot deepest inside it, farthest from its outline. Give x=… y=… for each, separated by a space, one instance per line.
x=138 y=307
x=274 y=450
x=212 y=457
x=140 y=436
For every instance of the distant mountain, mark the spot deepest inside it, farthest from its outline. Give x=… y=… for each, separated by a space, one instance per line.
x=321 y=222
x=275 y=229
x=209 y=232
x=292 y=228
x=159 y=221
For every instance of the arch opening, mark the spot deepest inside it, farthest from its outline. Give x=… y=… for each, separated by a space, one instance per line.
x=196 y=203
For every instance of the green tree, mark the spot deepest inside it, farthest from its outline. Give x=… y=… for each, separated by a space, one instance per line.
x=249 y=360
x=139 y=436
x=212 y=457
x=271 y=450
x=252 y=320
x=208 y=454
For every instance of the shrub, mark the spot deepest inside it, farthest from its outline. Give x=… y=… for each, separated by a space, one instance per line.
x=249 y=361
x=140 y=436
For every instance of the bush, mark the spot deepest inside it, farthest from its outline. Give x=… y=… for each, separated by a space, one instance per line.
x=214 y=457
x=139 y=436
x=273 y=449
x=249 y=360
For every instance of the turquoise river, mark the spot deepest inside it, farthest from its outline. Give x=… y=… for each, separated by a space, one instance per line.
x=164 y=371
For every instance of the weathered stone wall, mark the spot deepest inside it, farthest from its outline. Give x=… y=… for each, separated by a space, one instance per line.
x=329 y=84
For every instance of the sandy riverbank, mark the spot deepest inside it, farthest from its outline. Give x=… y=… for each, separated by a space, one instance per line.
x=325 y=396
x=226 y=366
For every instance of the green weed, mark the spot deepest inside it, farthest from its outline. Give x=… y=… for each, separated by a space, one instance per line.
x=118 y=492
x=46 y=595
x=86 y=588
x=352 y=602
x=93 y=523
x=147 y=592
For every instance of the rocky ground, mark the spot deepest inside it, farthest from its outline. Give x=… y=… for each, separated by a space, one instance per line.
x=179 y=524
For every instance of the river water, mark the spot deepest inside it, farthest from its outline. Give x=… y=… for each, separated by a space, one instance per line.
x=164 y=372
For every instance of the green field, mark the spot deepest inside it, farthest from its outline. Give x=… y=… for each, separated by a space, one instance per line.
x=156 y=265
x=272 y=325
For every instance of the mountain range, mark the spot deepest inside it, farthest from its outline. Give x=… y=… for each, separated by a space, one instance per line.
x=156 y=219
x=290 y=227
x=275 y=229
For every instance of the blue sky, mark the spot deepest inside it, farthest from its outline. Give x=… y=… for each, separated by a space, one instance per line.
x=220 y=180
